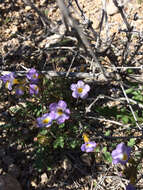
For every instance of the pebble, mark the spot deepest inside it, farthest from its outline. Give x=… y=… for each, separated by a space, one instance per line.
x=44 y=178
x=66 y=164
x=111 y=8
x=27 y=8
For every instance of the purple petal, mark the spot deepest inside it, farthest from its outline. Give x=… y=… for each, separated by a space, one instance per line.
x=115 y=161
x=67 y=112
x=84 y=95
x=62 y=104
x=130 y=187
x=34 y=89
x=75 y=94
x=88 y=147
x=52 y=115
x=20 y=91
x=80 y=83
x=73 y=87
x=53 y=106
x=61 y=120
x=86 y=87
x=83 y=147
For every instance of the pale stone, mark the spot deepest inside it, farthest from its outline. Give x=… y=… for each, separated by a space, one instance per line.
x=27 y=8
x=111 y=8
x=66 y=164
x=44 y=178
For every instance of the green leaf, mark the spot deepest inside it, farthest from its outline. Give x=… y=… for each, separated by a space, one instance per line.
x=49 y=168
x=104 y=150
x=59 y=142
x=73 y=144
x=107 y=133
x=94 y=184
x=125 y=119
x=108 y=157
x=131 y=142
x=62 y=125
x=130 y=90
x=130 y=71
x=97 y=149
x=44 y=131
x=138 y=97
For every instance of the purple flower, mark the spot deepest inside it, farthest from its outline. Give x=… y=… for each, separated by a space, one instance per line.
x=33 y=75
x=61 y=111
x=20 y=90
x=88 y=146
x=34 y=89
x=80 y=90
x=130 y=187
x=46 y=120
x=9 y=80
x=121 y=154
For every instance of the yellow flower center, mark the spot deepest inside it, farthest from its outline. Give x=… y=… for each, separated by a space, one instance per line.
x=46 y=120
x=60 y=111
x=125 y=157
x=85 y=137
x=7 y=84
x=80 y=90
x=36 y=87
x=34 y=76
x=88 y=145
x=21 y=88
x=15 y=81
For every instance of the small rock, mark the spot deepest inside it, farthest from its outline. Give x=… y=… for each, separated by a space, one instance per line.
x=27 y=8
x=66 y=164
x=33 y=184
x=42 y=2
x=7 y=182
x=44 y=178
x=111 y=8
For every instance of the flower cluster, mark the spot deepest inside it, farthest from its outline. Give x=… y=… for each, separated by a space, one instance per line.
x=58 y=112
x=33 y=78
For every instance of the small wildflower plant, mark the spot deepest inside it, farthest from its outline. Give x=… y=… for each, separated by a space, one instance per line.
x=57 y=119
